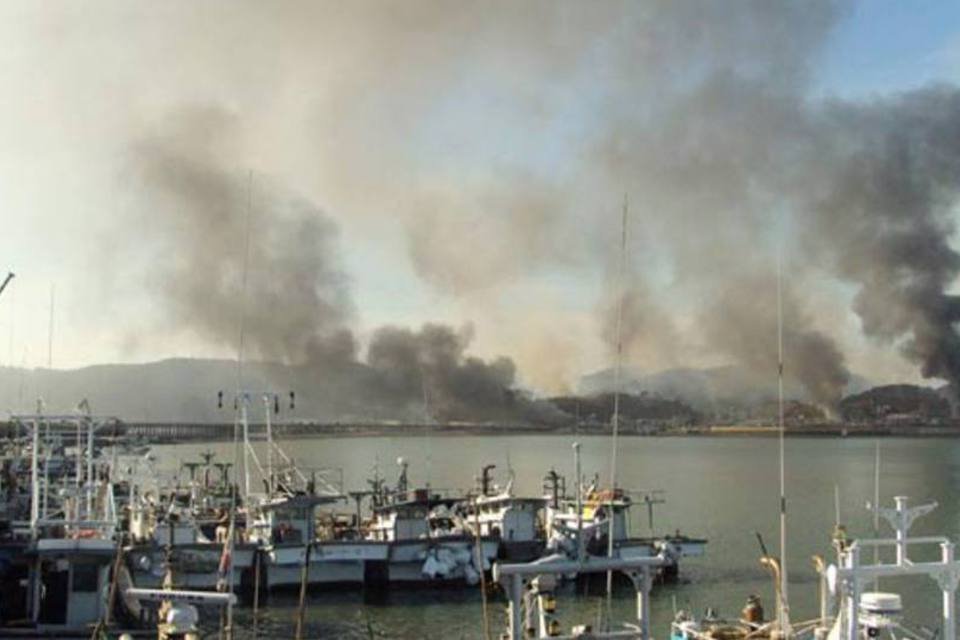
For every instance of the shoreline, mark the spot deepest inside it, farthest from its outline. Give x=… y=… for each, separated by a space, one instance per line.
x=165 y=432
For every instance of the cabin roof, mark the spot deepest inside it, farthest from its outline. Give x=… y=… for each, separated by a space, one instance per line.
x=488 y=500
x=77 y=547
x=429 y=503
x=300 y=501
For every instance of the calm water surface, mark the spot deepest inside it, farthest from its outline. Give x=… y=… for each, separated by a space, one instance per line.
x=724 y=489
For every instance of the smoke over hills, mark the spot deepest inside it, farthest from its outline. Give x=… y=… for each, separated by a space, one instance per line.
x=244 y=262
x=493 y=140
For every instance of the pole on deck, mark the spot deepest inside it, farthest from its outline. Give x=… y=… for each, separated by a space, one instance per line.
x=304 y=578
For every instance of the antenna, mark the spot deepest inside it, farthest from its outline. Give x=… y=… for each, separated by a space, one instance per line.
x=616 y=394
x=53 y=290
x=783 y=609
x=428 y=421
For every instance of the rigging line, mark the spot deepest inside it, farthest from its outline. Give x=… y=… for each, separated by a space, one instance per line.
x=616 y=395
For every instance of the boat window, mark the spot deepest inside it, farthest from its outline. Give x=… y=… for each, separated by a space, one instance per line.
x=85 y=577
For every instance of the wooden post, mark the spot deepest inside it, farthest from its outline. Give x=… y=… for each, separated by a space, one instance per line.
x=304 y=578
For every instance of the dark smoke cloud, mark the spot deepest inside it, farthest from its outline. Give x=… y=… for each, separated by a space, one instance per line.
x=296 y=304
x=431 y=364
x=298 y=309
x=736 y=158
x=884 y=214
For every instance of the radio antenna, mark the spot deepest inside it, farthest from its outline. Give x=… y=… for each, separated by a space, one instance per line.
x=783 y=608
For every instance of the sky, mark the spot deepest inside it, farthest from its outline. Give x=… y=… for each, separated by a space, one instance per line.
x=440 y=141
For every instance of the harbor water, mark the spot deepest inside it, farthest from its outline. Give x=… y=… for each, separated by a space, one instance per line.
x=723 y=489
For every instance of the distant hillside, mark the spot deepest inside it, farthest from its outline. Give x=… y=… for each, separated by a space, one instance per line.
x=185 y=390
x=890 y=402
x=599 y=408
x=710 y=390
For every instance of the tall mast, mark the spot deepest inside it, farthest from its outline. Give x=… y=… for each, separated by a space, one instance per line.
x=616 y=394
x=231 y=529
x=241 y=396
x=783 y=609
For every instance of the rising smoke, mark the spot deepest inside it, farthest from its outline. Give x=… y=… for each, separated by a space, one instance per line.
x=703 y=112
x=241 y=255
x=887 y=206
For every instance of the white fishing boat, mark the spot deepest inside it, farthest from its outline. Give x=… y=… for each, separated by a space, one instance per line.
x=427 y=542
x=72 y=543
x=286 y=530
x=516 y=521
x=184 y=529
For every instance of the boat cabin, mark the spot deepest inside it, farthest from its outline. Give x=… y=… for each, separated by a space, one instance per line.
x=594 y=515
x=288 y=520
x=405 y=516
x=67 y=579
x=506 y=517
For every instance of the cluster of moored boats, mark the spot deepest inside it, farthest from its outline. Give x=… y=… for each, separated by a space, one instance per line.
x=89 y=534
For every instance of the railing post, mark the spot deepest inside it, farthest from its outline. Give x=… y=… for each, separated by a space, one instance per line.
x=516 y=615
x=853 y=594
x=643 y=603
x=949 y=585
x=901 y=529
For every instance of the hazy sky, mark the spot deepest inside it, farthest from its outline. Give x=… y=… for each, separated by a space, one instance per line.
x=440 y=138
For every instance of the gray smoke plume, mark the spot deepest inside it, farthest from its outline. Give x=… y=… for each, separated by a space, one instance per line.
x=295 y=304
x=742 y=321
x=500 y=139
x=884 y=216
x=736 y=158
x=294 y=299
x=430 y=368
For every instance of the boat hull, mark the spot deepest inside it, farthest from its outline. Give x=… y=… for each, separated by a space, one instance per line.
x=195 y=566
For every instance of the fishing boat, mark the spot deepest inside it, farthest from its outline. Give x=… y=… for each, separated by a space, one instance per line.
x=183 y=528
x=599 y=513
x=428 y=543
x=516 y=521
x=295 y=550
x=70 y=544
